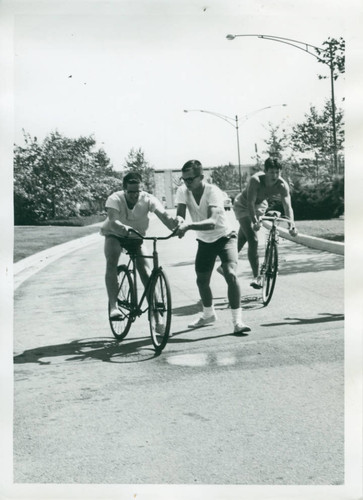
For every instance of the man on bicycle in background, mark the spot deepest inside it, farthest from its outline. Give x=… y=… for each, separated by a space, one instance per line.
x=252 y=203
x=215 y=238
x=127 y=209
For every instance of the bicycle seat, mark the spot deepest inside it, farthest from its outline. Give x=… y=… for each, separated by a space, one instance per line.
x=273 y=213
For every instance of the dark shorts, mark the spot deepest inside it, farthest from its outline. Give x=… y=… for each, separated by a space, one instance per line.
x=131 y=245
x=225 y=248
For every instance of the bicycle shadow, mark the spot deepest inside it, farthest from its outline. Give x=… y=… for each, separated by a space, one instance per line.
x=328 y=317
x=104 y=349
x=298 y=259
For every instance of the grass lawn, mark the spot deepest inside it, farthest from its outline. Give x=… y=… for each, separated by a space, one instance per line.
x=331 y=229
x=32 y=239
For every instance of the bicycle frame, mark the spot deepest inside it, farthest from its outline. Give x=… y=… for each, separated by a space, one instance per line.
x=138 y=311
x=273 y=235
x=270 y=266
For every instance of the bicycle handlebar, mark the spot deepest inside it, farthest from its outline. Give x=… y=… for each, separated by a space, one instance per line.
x=275 y=218
x=173 y=233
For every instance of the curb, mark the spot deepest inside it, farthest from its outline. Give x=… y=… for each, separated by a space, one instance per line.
x=25 y=268
x=310 y=241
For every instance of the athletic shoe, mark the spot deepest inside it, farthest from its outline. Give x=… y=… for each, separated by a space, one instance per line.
x=115 y=313
x=203 y=321
x=256 y=283
x=241 y=328
x=160 y=328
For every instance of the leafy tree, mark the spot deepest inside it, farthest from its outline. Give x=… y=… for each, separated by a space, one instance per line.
x=279 y=146
x=278 y=141
x=225 y=177
x=314 y=136
x=50 y=178
x=135 y=162
x=333 y=53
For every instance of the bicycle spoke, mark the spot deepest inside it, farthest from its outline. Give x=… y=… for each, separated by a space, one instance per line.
x=160 y=310
x=120 y=326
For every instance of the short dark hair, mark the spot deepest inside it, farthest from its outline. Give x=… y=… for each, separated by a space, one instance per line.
x=272 y=163
x=131 y=178
x=195 y=165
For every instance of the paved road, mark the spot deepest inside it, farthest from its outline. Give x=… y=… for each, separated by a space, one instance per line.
x=266 y=408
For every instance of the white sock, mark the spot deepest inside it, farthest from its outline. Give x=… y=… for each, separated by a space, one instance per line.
x=236 y=315
x=208 y=311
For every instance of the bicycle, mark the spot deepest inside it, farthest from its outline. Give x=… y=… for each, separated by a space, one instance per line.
x=270 y=266
x=156 y=292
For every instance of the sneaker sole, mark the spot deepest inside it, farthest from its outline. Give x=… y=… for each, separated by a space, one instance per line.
x=204 y=324
x=243 y=330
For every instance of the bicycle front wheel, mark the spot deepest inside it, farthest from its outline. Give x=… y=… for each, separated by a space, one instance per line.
x=159 y=310
x=269 y=273
x=125 y=300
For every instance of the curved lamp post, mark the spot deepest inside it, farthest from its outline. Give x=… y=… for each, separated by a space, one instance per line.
x=235 y=123
x=305 y=47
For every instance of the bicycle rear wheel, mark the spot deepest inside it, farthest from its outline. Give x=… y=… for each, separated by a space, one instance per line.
x=269 y=273
x=125 y=300
x=159 y=310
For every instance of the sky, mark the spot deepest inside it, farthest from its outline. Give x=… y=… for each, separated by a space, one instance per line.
x=125 y=71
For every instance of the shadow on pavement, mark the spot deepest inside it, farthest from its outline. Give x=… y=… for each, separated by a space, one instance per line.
x=196 y=307
x=327 y=317
x=109 y=350
x=299 y=259
x=174 y=340
x=184 y=263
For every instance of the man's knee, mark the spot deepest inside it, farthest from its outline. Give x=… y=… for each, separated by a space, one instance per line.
x=230 y=271
x=203 y=279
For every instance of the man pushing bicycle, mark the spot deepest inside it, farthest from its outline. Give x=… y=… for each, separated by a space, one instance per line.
x=252 y=203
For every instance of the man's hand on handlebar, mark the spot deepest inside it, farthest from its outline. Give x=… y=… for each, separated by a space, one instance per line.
x=256 y=226
x=182 y=229
x=293 y=231
x=124 y=231
x=178 y=221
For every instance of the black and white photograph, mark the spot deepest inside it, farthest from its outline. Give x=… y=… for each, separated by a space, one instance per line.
x=181 y=300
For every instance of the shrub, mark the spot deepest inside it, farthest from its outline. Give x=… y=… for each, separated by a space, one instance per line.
x=318 y=201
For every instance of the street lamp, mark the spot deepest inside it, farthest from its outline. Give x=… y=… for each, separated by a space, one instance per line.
x=305 y=47
x=234 y=122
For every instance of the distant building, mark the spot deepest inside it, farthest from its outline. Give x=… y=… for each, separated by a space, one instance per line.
x=168 y=181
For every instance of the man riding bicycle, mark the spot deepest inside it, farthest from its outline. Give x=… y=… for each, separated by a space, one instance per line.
x=129 y=208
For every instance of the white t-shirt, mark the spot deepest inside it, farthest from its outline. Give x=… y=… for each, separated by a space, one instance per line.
x=137 y=217
x=212 y=196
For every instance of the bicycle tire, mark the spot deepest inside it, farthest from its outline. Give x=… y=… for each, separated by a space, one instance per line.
x=159 y=309
x=125 y=299
x=269 y=274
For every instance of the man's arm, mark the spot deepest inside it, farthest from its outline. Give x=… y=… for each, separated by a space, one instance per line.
x=181 y=210
x=203 y=225
x=251 y=202
x=114 y=223
x=286 y=203
x=170 y=222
